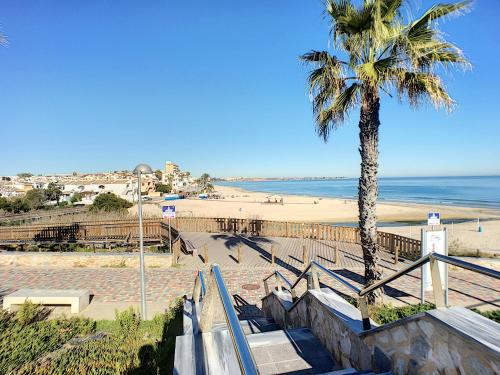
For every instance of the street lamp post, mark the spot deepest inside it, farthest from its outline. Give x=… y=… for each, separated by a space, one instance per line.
x=140 y=169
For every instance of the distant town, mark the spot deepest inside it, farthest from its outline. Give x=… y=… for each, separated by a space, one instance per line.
x=279 y=178
x=83 y=188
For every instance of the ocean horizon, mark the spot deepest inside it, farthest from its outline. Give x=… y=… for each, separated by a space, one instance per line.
x=466 y=191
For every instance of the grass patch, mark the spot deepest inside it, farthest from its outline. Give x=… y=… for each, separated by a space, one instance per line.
x=30 y=344
x=120 y=264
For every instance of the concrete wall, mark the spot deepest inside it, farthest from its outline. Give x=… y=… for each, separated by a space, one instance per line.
x=91 y=260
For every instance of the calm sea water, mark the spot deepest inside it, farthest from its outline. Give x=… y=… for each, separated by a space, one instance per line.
x=483 y=191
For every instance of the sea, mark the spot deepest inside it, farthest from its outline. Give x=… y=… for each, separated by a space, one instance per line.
x=467 y=191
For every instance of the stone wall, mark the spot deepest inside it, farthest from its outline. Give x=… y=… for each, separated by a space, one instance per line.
x=446 y=341
x=91 y=260
x=422 y=345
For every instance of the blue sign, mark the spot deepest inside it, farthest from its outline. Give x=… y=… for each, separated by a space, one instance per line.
x=168 y=212
x=433 y=218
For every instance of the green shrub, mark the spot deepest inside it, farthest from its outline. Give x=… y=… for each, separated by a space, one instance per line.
x=109 y=202
x=126 y=345
x=24 y=336
x=492 y=314
x=383 y=314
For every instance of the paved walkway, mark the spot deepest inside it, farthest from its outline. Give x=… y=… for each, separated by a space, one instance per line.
x=119 y=287
x=256 y=252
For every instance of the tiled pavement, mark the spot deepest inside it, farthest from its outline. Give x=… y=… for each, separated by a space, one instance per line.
x=112 y=285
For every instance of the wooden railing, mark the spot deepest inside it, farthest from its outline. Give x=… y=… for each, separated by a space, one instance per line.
x=398 y=245
x=154 y=229
x=109 y=231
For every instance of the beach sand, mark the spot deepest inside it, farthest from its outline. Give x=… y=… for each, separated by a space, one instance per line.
x=239 y=203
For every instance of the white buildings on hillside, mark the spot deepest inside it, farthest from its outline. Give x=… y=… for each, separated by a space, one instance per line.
x=182 y=182
x=123 y=184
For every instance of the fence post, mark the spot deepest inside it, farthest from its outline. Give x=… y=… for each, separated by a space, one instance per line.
x=305 y=256
x=336 y=252
x=396 y=255
x=239 y=253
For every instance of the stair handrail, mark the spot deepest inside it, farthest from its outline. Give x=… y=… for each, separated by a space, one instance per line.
x=278 y=275
x=217 y=286
x=432 y=258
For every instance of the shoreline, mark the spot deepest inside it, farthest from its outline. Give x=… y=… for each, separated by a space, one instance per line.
x=485 y=213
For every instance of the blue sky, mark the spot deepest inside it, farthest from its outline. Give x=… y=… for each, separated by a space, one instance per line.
x=217 y=86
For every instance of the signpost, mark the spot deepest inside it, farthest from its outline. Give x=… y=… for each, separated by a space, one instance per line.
x=434 y=241
x=169 y=212
x=433 y=218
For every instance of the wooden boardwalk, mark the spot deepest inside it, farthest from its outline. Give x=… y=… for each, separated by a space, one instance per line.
x=256 y=252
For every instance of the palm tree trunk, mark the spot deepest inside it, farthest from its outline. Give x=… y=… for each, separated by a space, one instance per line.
x=368 y=188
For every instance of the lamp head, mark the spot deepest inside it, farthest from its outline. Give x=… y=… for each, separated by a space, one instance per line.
x=143 y=169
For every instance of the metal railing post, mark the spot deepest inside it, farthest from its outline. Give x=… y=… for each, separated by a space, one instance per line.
x=437 y=286
x=209 y=307
x=365 y=316
x=197 y=289
x=277 y=280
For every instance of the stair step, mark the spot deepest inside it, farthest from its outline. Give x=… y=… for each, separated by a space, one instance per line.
x=345 y=371
x=294 y=351
x=250 y=326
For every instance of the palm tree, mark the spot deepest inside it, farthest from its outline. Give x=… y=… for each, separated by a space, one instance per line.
x=379 y=50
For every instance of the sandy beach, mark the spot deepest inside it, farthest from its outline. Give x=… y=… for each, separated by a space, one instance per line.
x=239 y=203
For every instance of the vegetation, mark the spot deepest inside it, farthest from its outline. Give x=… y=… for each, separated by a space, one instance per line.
x=109 y=202
x=34 y=199
x=30 y=344
x=24 y=174
x=158 y=174
x=204 y=183
x=53 y=192
x=383 y=314
x=378 y=50
x=77 y=197
x=162 y=188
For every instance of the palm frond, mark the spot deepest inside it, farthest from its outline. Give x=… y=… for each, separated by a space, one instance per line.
x=441 y=10
x=420 y=86
x=335 y=114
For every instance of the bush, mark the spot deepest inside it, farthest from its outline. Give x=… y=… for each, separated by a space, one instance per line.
x=492 y=314
x=383 y=314
x=82 y=346
x=109 y=202
x=162 y=188
x=26 y=336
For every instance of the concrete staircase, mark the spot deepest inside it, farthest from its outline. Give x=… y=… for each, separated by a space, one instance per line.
x=276 y=351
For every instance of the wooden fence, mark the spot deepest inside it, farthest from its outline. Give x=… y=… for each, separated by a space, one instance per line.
x=157 y=230
x=398 y=245
x=110 y=231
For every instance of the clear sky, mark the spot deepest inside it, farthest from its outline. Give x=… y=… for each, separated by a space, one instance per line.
x=216 y=86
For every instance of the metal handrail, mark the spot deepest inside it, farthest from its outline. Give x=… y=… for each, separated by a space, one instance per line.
x=280 y=275
x=466 y=265
x=396 y=275
x=328 y=272
x=431 y=258
x=240 y=343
